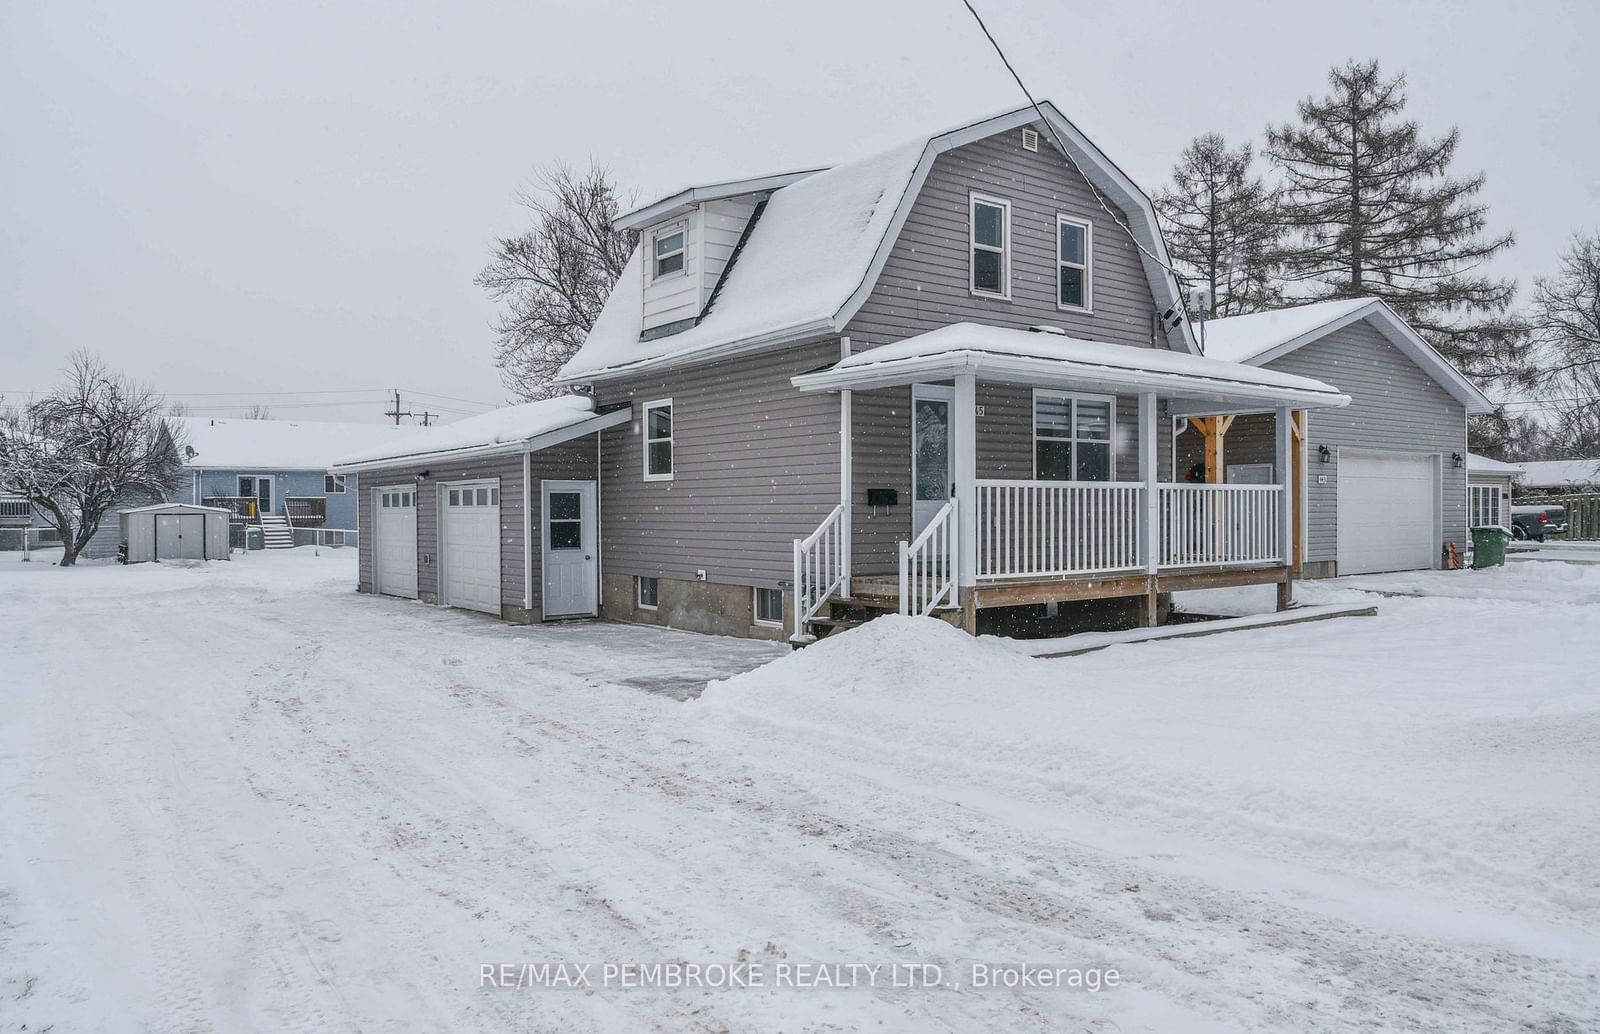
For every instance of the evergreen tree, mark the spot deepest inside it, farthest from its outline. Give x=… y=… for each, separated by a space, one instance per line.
x=1373 y=211
x=1221 y=226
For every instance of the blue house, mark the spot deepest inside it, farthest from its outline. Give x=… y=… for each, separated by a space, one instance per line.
x=273 y=474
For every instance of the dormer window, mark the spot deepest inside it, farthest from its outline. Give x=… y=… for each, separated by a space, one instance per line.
x=667 y=246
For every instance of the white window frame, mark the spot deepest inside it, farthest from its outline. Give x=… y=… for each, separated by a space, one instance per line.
x=683 y=249
x=755 y=607
x=1087 y=265
x=1494 y=514
x=1072 y=422
x=973 y=201
x=638 y=592
x=644 y=434
x=337 y=483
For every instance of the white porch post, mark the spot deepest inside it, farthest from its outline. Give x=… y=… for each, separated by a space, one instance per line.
x=846 y=482
x=1283 y=460
x=964 y=471
x=1150 y=522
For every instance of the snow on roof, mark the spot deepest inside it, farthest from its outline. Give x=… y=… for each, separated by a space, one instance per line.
x=1561 y=472
x=665 y=206
x=1112 y=362
x=238 y=444
x=808 y=254
x=506 y=426
x=1484 y=465
x=1239 y=339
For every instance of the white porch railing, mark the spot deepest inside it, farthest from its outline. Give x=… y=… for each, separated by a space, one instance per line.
x=1034 y=529
x=1218 y=525
x=819 y=568
x=928 y=565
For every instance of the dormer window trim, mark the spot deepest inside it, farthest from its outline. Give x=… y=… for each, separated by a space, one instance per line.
x=681 y=252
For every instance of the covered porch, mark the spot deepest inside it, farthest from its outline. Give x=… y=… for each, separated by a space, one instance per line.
x=1040 y=470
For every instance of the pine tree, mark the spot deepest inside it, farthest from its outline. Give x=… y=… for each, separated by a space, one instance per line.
x=1373 y=211
x=1221 y=226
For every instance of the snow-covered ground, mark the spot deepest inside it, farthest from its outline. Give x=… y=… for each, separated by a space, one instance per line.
x=243 y=797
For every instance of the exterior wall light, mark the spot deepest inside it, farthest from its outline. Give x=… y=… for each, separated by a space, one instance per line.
x=1324 y=454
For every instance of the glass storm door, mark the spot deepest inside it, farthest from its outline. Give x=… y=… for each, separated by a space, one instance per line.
x=930 y=452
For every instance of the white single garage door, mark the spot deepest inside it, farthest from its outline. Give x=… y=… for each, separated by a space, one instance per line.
x=471 y=546
x=396 y=522
x=1388 y=517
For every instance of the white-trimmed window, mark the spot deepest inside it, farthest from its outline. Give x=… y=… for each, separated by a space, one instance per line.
x=658 y=440
x=647 y=592
x=333 y=484
x=768 y=607
x=1074 y=436
x=667 y=250
x=1484 y=503
x=989 y=233
x=1074 y=245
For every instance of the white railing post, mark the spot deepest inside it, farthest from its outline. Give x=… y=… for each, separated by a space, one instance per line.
x=1151 y=525
x=964 y=471
x=846 y=485
x=1284 y=468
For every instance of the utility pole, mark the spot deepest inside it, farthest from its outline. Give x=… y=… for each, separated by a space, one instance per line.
x=397 y=412
x=426 y=416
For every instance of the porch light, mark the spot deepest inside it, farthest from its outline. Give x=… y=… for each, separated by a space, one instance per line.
x=1324 y=454
x=1455 y=459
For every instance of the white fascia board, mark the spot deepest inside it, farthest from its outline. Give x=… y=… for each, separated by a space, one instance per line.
x=1063 y=373
x=1398 y=333
x=588 y=426
x=676 y=204
x=816 y=329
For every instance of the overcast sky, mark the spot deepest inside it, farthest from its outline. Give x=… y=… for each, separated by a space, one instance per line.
x=293 y=197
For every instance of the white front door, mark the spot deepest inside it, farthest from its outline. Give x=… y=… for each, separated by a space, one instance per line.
x=571 y=553
x=930 y=452
x=1387 y=516
x=395 y=519
x=471 y=550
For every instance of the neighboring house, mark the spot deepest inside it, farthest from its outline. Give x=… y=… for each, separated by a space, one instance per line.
x=938 y=380
x=1559 y=477
x=19 y=517
x=1489 y=491
x=1387 y=479
x=276 y=473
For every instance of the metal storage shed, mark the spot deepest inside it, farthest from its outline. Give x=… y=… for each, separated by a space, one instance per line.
x=174 y=531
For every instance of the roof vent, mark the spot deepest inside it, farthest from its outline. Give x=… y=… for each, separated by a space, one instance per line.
x=1030 y=139
x=1045 y=328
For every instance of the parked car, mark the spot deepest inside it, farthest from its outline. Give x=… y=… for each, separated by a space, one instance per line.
x=1535 y=522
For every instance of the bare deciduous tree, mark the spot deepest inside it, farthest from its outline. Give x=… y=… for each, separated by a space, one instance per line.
x=1566 y=323
x=97 y=441
x=1374 y=211
x=554 y=279
x=258 y=412
x=1221 y=226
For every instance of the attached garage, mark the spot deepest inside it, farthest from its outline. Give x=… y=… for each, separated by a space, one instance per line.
x=395 y=522
x=173 y=531
x=1388 y=507
x=470 y=545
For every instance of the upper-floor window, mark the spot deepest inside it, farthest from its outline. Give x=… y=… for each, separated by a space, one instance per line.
x=667 y=251
x=1073 y=242
x=658 y=440
x=333 y=484
x=1072 y=436
x=991 y=246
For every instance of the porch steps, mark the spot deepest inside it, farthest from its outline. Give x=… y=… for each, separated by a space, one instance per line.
x=275 y=532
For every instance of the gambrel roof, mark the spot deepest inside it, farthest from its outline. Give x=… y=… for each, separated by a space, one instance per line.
x=1261 y=337
x=815 y=253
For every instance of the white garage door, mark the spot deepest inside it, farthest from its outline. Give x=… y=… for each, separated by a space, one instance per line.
x=396 y=510
x=472 y=545
x=1388 y=512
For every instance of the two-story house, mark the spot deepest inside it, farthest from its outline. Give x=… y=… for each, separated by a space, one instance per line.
x=943 y=379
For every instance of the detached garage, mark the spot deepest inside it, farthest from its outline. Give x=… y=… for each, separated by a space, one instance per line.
x=462 y=515
x=173 y=531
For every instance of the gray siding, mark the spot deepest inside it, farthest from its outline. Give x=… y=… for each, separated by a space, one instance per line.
x=756 y=465
x=1395 y=406
x=924 y=283
x=513 y=524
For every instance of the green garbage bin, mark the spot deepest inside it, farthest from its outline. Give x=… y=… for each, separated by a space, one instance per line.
x=254 y=539
x=1488 y=547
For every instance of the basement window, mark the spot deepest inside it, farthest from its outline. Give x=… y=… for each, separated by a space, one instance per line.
x=769 y=607
x=649 y=592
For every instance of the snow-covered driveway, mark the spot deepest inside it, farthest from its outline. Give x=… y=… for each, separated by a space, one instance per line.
x=242 y=797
